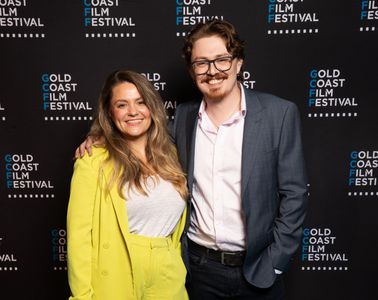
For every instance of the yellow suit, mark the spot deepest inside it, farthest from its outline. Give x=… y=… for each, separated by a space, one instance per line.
x=100 y=262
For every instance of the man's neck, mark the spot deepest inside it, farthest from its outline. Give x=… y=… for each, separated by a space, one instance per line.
x=221 y=110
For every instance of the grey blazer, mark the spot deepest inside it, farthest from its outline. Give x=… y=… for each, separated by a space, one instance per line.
x=274 y=183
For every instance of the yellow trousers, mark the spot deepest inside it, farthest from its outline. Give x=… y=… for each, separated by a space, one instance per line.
x=159 y=272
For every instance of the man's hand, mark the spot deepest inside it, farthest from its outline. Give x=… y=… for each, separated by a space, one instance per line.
x=87 y=146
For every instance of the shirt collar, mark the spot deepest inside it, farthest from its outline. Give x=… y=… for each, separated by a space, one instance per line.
x=240 y=114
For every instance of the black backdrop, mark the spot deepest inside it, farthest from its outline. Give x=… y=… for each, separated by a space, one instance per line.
x=319 y=54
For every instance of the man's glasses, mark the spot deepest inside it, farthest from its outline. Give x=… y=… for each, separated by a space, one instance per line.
x=222 y=64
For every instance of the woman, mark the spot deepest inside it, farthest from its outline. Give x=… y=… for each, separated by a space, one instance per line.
x=127 y=210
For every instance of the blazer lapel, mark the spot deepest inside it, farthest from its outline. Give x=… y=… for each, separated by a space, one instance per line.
x=251 y=134
x=118 y=203
x=191 y=130
x=187 y=150
x=119 y=206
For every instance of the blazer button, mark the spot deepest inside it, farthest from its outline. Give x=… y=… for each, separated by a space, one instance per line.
x=104 y=273
x=106 y=245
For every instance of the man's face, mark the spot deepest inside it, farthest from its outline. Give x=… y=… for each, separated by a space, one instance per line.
x=215 y=85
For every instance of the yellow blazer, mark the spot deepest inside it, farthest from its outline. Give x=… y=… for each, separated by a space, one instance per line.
x=99 y=260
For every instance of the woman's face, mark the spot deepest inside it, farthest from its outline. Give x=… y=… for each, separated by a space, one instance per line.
x=129 y=112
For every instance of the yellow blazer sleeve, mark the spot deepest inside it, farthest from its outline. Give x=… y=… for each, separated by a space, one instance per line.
x=79 y=228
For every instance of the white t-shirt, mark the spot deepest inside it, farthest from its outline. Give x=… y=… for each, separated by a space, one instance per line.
x=157 y=214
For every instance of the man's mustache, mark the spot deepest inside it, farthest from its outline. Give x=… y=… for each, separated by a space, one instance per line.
x=216 y=76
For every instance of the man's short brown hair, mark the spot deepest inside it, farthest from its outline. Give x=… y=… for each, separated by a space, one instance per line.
x=223 y=29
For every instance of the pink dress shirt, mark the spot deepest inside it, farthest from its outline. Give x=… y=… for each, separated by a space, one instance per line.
x=217 y=220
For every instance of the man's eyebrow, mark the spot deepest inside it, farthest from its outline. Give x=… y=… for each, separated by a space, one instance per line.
x=216 y=56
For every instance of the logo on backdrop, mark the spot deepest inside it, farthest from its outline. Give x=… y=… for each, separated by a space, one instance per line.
x=192 y=12
x=16 y=22
x=363 y=168
x=155 y=79
x=319 y=251
x=291 y=17
x=2 y=112
x=369 y=16
x=327 y=97
x=59 y=249
x=161 y=86
x=248 y=81
x=8 y=261
x=107 y=19
x=59 y=93
x=23 y=179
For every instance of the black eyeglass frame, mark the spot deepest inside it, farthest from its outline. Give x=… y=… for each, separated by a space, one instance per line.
x=212 y=61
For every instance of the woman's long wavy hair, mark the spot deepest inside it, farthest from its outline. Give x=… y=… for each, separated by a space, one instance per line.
x=160 y=152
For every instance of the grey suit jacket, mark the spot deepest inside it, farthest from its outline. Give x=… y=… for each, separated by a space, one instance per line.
x=274 y=183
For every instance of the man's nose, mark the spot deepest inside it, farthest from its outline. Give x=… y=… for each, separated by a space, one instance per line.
x=212 y=69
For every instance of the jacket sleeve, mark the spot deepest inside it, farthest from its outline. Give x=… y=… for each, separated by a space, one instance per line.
x=292 y=189
x=79 y=229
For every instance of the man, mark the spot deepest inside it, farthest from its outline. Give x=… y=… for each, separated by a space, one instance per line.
x=242 y=152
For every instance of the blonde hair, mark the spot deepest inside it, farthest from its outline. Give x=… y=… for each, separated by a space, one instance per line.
x=160 y=152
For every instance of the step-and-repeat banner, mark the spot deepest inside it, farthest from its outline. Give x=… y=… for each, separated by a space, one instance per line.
x=320 y=54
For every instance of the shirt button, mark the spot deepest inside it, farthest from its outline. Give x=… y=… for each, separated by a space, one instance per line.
x=104 y=273
x=106 y=245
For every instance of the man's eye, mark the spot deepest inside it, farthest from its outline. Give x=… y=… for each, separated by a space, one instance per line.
x=223 y=59
x=201 y=63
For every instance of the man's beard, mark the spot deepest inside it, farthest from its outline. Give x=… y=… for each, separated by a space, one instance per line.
x=214 y=94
